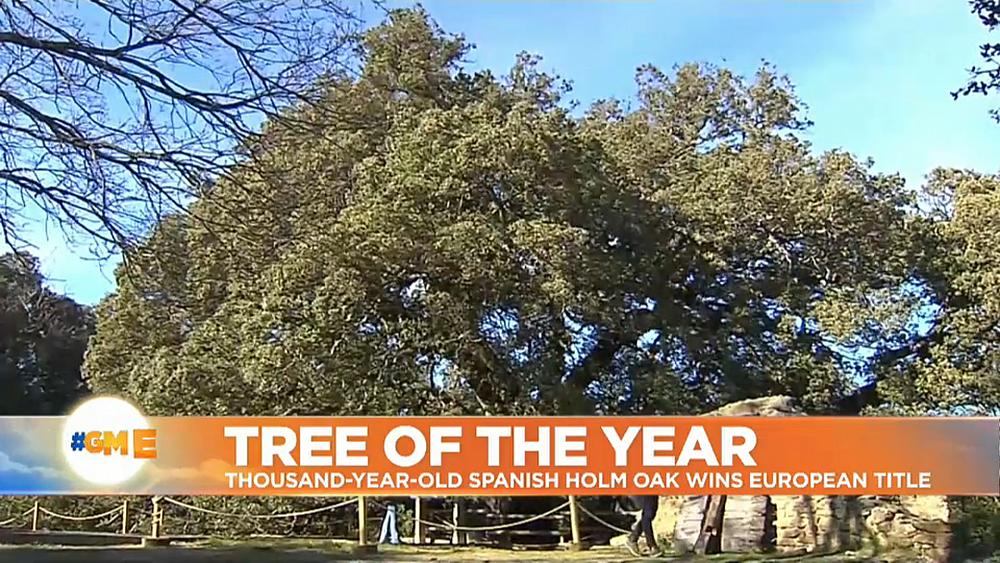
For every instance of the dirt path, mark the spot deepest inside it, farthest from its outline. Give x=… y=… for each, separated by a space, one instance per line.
x=261 y=555
x=323 y=553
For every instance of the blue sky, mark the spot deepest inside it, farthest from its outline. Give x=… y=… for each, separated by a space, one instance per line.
x=874 y=75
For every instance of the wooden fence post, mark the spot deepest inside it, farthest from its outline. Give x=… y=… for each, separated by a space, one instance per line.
x=362 y=522
x=574 y=524
x=124 y=517
x=157 y=519
x=418 y=526
x=710 y=538
x=34 y=517
x=155 y=537
x=458 y=537
x=363 y=545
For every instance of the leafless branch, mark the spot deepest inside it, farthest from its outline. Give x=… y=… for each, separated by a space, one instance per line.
x=115 y=113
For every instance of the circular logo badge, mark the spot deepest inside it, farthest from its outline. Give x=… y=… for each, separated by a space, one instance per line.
x=100 y=441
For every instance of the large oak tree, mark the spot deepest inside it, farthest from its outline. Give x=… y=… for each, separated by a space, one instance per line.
x=462 y=243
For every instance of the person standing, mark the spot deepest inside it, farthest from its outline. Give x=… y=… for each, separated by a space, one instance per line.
x=647 y=504
x=389 y=533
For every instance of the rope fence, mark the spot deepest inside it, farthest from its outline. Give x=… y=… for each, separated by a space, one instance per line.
x=420 y=522
x=495 y=528
x=602 y=521
x=58 y=516
x=13 y=519
x=259 y=516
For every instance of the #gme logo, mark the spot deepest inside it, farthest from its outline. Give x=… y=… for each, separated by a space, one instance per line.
x=106 y=441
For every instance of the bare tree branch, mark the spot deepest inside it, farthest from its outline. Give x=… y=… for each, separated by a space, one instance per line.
x=114 y=113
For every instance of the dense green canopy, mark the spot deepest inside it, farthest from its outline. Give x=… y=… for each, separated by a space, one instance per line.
x=464 y=244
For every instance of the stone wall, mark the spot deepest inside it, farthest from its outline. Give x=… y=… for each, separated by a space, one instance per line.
x=802 y=524
x=920 y=525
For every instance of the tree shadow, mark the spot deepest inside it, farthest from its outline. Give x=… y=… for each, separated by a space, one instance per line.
x=770 y=537
x=811 y=522
x=847 y=529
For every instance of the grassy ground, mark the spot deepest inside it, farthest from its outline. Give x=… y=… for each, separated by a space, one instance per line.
x=317 y=551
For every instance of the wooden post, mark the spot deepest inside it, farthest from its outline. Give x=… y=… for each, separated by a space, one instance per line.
x=34 y=517
x=124 y=517
x=418 y=515
x=574 y=524
x=458 y=537
x=504 y=539
x=363 y=545
x=155 y=537
x=710 y=538
x=362 y=522
x=157 y=519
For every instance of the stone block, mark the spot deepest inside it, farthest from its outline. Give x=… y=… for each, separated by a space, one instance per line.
x=689 y=521
x=880 y=514
x=765 y=406
x=743 y=524
x=903 y=529
x=934 y=526
x=928 y=507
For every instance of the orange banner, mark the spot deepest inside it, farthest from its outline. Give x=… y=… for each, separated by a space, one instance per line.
x=591 y=455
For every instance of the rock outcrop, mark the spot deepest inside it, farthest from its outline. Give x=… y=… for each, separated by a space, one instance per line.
x=921 y=525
